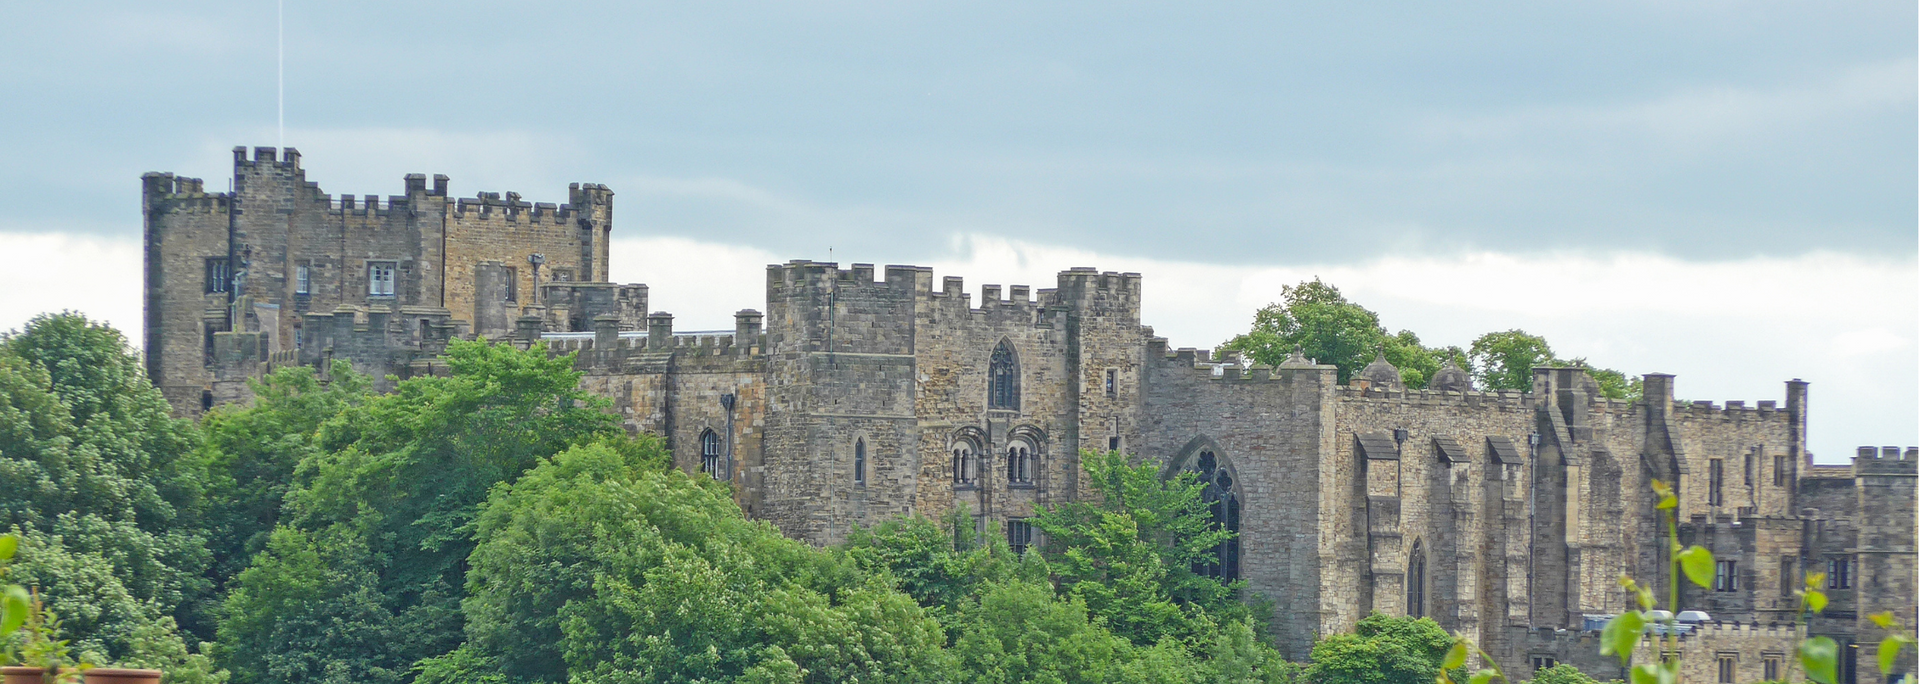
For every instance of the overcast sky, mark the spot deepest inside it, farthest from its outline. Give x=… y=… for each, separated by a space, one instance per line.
x=1723 y=190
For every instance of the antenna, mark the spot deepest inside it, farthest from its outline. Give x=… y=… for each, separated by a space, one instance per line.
x=280 y=70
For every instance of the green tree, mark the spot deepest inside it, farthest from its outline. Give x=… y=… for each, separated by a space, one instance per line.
x=1381 y=650
x=366 y=574
x=99 y=481
x=603 y=566
x=1316 y=318
x=1562 y=674
x=251 y=452
x=1505 y=360
x=1129 y=556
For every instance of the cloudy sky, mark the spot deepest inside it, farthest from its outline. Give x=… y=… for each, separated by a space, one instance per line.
x=1724 y=190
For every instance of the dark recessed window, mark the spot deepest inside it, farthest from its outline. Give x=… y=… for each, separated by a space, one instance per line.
x=710 y=454
x=1003 y=379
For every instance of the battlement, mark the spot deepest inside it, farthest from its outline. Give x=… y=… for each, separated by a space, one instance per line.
x=1732 y=410
x=288 y=157
x=1887 y=460
x=802 y=274
x=512 y=208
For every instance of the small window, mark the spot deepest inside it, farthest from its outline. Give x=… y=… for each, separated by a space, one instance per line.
x=1020 y=462
x=1787 y=577
x=206 y=400
x=1541 y=662
x=1113 y=382
x=380 y=278
x=860 y=461
x=1839 y=573
x=1417 y=582
x=513 y=284
x=710 y=454
x=1727 y=661
x=1113 y=443
x=1747 y=471
x=1019 y=535
x=1780 y=470
x=965 y=463
x=1724 y=578
x=219 y=277
x=1003 y=379
x=1770 y=667
x=302 y=279
x=1714 y=482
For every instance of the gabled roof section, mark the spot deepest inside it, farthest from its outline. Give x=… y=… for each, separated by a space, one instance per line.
x=1378 y=445
x=1450 y=450
x=1503 y=451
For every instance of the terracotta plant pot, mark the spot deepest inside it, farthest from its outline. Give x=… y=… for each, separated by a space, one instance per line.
x=20 y=674
x=114 y=675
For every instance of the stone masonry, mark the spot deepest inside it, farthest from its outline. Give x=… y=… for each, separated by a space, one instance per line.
x=862 y=394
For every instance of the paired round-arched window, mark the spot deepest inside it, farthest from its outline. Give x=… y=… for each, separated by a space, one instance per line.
x=710 y=454
x=1022 y=461
x=966 y=461
x=1223 y=508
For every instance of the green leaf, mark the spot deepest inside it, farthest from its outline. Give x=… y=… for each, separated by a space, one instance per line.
x=1697 y=562
x=1890 y=650
x=1821 y=658
x=8 y=544
x=14 y=607
x=1883 y=619
x=1457 y=656
x=1646 y=673
x=1482 y=677
x=1621 y=634
x=1816 y=601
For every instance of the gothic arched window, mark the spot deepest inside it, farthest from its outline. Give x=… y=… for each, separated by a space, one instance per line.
x=1003 y=379
x=1417 y=582
x=710 y=454
x=860 y=461
x=1021 y=462
x=1223 y=506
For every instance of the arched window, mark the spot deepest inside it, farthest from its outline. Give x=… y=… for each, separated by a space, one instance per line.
x=1417 y=582
x=1021 y=458
x=1223 y=506
x=860 y=461
x=710 y=454
x=965 y=461
x=1003 y=379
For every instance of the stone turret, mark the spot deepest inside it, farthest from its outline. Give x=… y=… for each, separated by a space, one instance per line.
x=1380 y=374
x=1452 y=378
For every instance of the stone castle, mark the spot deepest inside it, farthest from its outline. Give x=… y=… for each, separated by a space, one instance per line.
x=864 y=394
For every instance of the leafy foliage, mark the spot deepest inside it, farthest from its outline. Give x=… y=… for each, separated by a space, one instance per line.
x=1382 y=650
x=366 y=572
x=100 y=485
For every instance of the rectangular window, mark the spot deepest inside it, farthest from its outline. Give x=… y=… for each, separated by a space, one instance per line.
x=1543 y=663
x=1839 y=573
x=1724 y=578
x=380 y=278
x=513 y=283
x=302 y=279
x=1019 y=535
x=1780 y=470
x=1113 y=382
x=1788 y=580
x=1726 y=667
x=219 y=277
x=1770 y=667
x=1747 y=472
x=1714 y=481
x=1113 y=444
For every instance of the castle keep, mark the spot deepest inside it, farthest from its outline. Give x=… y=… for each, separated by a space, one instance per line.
x=862 y=394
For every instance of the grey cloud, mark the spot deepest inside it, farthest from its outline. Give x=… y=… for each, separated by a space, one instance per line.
x=1254 y=132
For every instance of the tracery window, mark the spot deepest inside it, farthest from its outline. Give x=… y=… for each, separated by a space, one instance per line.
x=710 y=454
x=1223 y=506
x=1020 y=462
x=1417 y=582
x=1003 y=379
